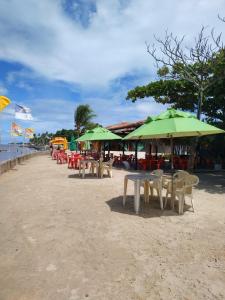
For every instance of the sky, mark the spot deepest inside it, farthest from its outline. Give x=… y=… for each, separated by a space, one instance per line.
x=57 y=54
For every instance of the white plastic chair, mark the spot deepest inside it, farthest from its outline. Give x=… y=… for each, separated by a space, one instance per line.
x=155 y=184
x=172 y=184
x=186 y=191
x=106 y=166
x=94 y=168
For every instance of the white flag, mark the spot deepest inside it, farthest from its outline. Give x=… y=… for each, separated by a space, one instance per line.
x=23 y=113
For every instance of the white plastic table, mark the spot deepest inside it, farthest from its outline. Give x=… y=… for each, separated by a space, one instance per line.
x=83 y=164
x=138 y=179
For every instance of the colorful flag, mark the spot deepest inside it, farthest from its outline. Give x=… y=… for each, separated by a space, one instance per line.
x=29 y=133
x=23 y=112
x=16 y=130
x=4 y=101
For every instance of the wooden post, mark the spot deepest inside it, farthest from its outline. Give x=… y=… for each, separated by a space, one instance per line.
x=109 y=149
x=123 y=147
x=150 y=149
x=156 y=150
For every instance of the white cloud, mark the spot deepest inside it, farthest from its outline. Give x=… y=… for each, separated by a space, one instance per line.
x=53 y=114
x=3 y=89
x=42 y=36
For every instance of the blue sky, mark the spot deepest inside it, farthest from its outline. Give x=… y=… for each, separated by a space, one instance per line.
x=57 y=54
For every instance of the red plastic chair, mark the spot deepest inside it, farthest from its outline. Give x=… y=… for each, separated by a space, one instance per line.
x=183 y=163
x=142 y=164
x=73 y=161
x=62 y=158
x=55 y=154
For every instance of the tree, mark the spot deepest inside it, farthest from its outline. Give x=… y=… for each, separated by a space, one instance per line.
x=183 y=95
x=82 y=117
x=66 y=133
x=215 y=102
x=185 y=63
x=41 y=139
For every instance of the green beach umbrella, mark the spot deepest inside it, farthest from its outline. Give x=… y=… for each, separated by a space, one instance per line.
x=98 y=134
x=171 y=124
x=72 y=144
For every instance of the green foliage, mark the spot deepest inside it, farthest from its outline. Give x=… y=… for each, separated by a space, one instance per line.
x=91 y=125
x=82 y=117
x=41 y=139
x=44 y=138
x=163 y=71
x=66 y=133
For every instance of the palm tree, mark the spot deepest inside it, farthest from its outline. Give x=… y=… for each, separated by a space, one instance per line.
x=82 y=117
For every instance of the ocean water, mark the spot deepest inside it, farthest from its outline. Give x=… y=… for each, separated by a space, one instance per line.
x=8 y=152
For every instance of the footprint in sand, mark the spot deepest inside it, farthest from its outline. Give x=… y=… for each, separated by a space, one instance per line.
x=51 y=268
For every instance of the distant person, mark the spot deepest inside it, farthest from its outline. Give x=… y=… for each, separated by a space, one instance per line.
x=51 y=149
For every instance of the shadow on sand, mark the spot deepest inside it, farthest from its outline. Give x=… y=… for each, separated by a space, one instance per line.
x=213 y=183
x=151 y=210
x=87 y=176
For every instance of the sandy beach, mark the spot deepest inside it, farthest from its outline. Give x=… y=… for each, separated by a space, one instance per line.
x=67 y=238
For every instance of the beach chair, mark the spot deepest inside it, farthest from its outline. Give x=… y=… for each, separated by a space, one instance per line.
x=142 y=164
x=154 y=184
x=94 y=168
x=186 y=190
x=55 y=154
x=171 y=184
x=105 y=166
x=61 y=157
x=73 y=161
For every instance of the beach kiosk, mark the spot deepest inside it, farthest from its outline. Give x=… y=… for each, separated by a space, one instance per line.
x=60 y=141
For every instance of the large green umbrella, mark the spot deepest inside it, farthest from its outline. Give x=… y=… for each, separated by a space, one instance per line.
x=72 y=144
x=98 y=134
x=170 y=124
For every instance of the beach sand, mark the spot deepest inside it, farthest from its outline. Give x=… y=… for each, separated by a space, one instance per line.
x=67 y=238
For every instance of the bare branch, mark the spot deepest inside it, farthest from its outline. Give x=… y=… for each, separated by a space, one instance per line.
x=187 y=63
x=217 y=39
x=221 y=18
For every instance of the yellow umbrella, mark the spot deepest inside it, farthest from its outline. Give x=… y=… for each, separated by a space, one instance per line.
x=4 y=101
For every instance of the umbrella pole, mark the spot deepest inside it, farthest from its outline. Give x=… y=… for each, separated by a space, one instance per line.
x=101 y=154
x=109 y=149
x=150 y=149
x=156 y=150
x=171 y=146
x=136 y=160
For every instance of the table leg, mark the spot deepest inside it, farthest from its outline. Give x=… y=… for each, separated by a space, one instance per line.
x=92 y=169
x=172 y=196
x=146 y=192
x=137 y=196
x=125 y=190
x=161 y=198
x=83 y=170
x=80 y=168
